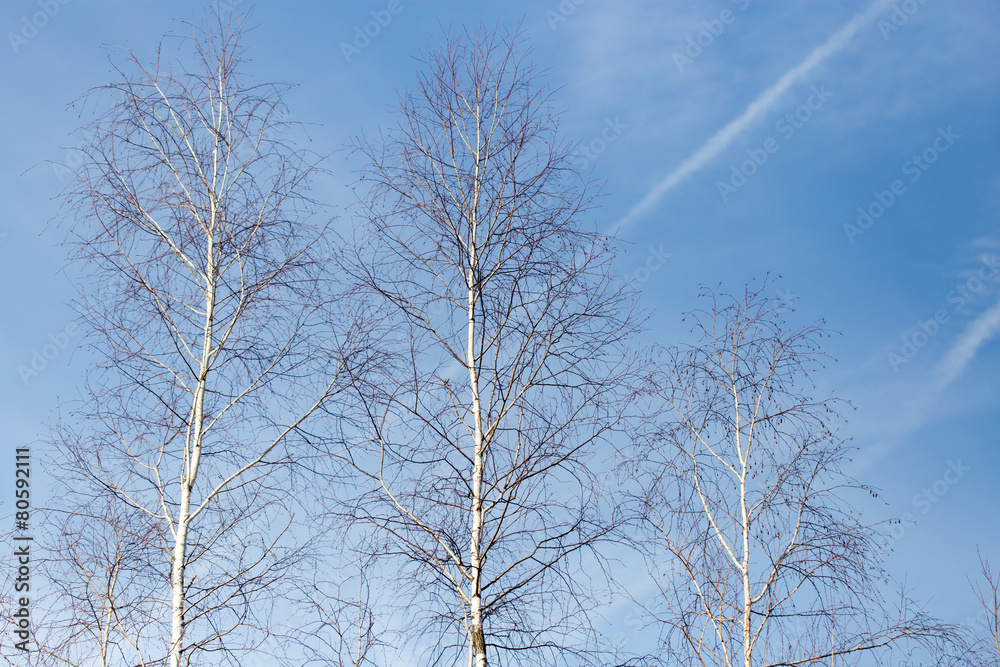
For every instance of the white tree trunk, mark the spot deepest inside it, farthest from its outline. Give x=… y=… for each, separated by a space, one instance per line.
x=747 y=600
x=192 y=452
x=477 y=639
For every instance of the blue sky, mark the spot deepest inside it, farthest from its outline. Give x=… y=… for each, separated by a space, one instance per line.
x=821 y=108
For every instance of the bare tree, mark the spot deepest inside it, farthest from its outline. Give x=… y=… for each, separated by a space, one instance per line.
x=208 y=303
x=972 y=647
x=506 y=361
x=987 y=591
x=81 y=615
x=753 y=536
x=339 y=617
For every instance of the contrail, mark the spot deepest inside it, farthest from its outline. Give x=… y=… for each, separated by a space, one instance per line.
x=920 y=406
x=979 y=332
x=757 y=108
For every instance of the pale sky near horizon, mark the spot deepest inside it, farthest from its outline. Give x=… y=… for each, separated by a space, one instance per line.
x=853 y=148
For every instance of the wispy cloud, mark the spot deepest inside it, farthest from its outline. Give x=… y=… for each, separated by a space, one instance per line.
x=915 y=404
x=979 y=332
x=764 y=102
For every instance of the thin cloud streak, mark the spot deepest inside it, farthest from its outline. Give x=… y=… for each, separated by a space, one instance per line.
x=978 y=333
x=920 y=407
x=764 y=102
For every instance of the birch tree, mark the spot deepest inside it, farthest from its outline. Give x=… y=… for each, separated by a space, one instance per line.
x=984 y=648
x=754 y=540
x=505 y=368
x=208 y=305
